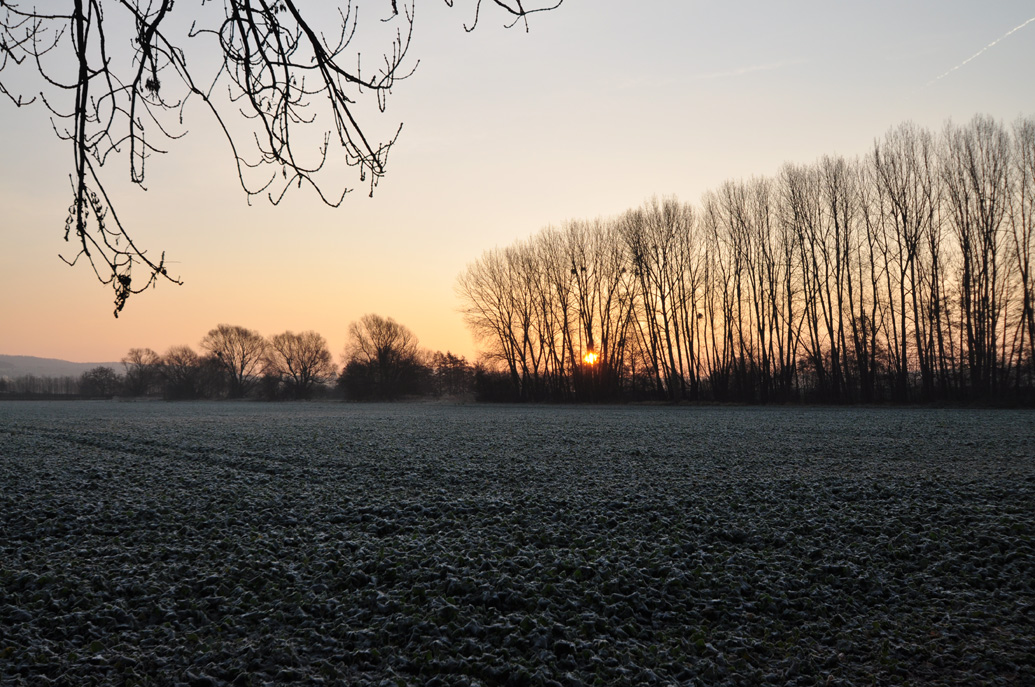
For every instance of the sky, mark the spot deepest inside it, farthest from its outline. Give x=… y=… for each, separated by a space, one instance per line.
x=599 y=106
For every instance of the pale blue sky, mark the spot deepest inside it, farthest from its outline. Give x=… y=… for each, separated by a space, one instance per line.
x=601 y=105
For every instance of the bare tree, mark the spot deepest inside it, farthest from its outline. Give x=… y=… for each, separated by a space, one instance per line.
x=287 y=89
x=750 y=214
x=1023 y=231
x=905 y=171
x=100 y=382
x=240 y=353
x=724 y=268
x=976 y=170
x=847 y=187
x=656 y=237
x=302 y=359
x=490 y=308
x=383 y=354
x=143 y=371
x=453 y=375
x=602 y=293
x=555 y=298
x=181 y=370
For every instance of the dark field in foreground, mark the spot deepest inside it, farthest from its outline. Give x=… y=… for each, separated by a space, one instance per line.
x=248 y=544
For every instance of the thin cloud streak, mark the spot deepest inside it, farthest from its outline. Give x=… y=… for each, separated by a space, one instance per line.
x=981 y=51
x=747 y=70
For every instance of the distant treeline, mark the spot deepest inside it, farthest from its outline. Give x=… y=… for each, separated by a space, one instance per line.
x=903 y=276
x=39 y=387
x=382 y=361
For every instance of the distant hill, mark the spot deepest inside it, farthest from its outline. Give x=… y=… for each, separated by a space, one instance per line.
x=20 y=365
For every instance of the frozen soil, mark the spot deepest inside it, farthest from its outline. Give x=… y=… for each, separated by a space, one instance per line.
x=253 y=544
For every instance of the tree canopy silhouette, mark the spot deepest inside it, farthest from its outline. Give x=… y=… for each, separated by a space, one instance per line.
x=287 y=91
x=905 y=275
x=240 y=352
x=300 y=360
x=382 y=359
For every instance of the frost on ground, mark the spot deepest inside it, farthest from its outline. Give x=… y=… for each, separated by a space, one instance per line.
x=249 y=544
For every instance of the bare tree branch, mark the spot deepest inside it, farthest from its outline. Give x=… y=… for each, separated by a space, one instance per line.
x=284 y=94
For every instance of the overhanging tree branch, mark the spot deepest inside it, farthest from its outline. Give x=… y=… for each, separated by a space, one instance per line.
x=283 y=92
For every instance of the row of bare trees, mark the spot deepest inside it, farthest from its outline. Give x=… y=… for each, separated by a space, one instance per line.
x=904 y=275
x=38 y=386
x=382 y=361
x=234 y=360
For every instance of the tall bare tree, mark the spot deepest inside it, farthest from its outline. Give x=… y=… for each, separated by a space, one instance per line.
x=977 y=173
x=724 y=268
x=656 y=237
x=602 y=294
x=1023 y=232
x=488 y=293
x=905 y=169
x=558 y=313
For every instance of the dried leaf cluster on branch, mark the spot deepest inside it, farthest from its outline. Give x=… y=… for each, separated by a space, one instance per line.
x=118 y=76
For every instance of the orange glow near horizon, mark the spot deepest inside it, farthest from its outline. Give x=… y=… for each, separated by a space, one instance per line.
x=452 y=188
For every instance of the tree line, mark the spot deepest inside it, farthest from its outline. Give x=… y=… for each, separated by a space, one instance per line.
x=903 y=275
x=382 y=361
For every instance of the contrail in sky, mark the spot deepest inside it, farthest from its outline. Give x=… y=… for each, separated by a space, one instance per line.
x=982 y=50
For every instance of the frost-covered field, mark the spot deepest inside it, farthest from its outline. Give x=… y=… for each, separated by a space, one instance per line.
x=250 y=544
